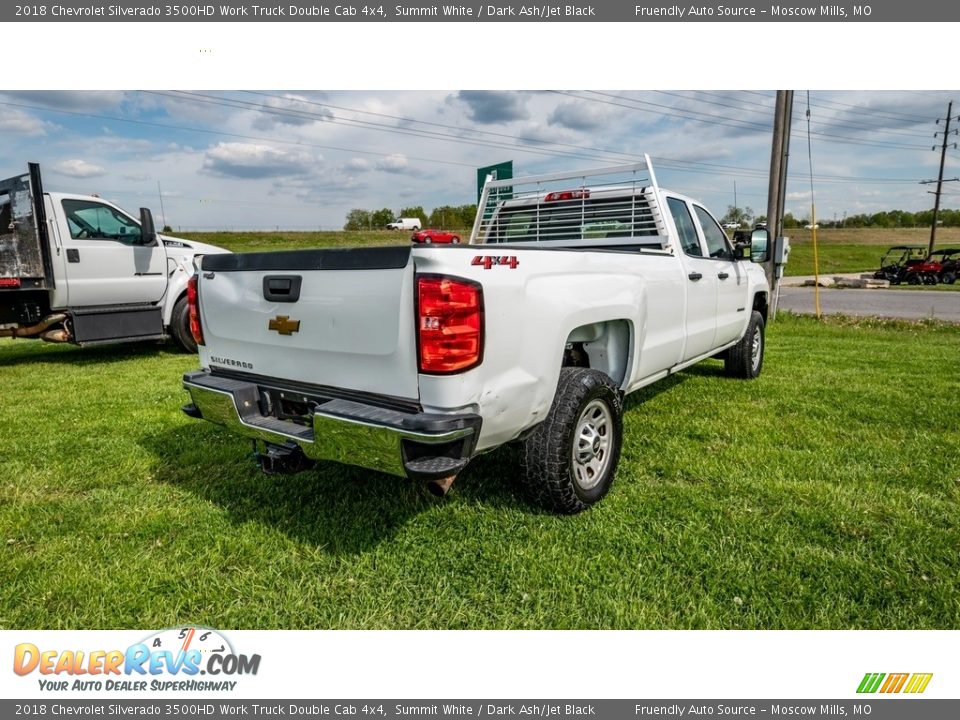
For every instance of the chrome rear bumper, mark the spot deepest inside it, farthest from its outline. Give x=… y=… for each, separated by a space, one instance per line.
x=420 y=445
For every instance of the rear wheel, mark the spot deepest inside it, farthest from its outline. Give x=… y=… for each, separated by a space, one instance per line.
x=180 y=326
x=948 y=278
x=745 y=359
x=428 y=240
x=455 y=241
x=571 y=458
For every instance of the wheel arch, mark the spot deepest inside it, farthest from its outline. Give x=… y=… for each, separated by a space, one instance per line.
x=606 y=346
x=176 y=289
x=761 y=303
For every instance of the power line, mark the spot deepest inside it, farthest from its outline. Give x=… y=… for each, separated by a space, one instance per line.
x=723 y=120
x=872 y=111
x=222 y=133
x=739 y=171
x=351 y=122
x=689 y=165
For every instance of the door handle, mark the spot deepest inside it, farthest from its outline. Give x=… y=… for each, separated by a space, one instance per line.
x=723 y=275
x=695 y=276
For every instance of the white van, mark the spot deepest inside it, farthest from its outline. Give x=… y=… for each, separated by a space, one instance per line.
x=404 y=224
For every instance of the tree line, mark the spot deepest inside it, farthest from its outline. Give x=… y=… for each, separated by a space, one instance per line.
x=885 y=219
x=445 y=217
x=460 y=217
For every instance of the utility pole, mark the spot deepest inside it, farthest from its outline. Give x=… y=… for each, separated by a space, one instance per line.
x=776 y=194
x=160 y=194
x=736 y=213
x=939 y=181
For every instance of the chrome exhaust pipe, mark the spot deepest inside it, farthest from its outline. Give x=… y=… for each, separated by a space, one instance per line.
x=59 y=335
x=32 y=330
x=439 y=488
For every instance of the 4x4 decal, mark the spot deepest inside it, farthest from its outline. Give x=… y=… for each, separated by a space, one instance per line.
x=488 y=261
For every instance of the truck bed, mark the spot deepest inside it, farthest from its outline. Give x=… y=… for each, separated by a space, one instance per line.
x=22 y=259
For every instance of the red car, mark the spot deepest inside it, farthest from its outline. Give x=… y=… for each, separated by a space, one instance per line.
x=435 y=236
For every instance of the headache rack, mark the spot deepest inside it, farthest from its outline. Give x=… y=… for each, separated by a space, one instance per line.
x=606 y=207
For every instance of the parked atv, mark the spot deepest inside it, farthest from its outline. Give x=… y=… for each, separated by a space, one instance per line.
x=949 y=261
x=898 y=261
x=925 y=272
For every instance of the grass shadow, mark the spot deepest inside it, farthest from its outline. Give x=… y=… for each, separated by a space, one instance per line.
x=340 y=509
x=343 y=510
x=644 y=394
x=37 y=352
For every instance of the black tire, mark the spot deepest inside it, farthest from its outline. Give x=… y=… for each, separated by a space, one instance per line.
x=180 y=326
x=455 y=241
x=571 y=458
x=745 y=359
x=428 y=239
x=913 y=279
x=948 y=278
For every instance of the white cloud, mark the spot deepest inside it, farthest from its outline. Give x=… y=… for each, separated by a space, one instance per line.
x=92 y=100
x=579 y=116
x=495 y=106
x=249 y=160
x=396 y=163
x=288 y=110
x=21 y=123
x=358 y=164
x=77 y=168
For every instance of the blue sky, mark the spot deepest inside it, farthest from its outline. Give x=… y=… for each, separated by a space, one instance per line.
x=302 y=159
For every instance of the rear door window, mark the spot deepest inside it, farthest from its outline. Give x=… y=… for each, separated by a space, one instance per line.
x=686 y=230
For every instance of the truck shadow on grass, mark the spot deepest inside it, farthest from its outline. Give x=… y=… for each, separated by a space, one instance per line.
x=649 y=392
x=340 y=509
x=37 y=352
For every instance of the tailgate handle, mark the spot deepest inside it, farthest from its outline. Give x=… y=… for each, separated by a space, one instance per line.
x=282 y=288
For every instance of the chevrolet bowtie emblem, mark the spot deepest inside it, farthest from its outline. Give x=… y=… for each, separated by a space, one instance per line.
x=284 y=325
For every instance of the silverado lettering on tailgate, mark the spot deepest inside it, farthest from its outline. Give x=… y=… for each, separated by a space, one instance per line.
x=231 y=362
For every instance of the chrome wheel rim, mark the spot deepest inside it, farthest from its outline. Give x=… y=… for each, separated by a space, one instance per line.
x=756 y=349
x=592 y=440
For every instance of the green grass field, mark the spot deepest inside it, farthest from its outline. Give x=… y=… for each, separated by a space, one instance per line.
x=823 y=495
x=858 y=249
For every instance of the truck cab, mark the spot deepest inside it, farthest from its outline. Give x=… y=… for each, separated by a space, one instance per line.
x=79 y=269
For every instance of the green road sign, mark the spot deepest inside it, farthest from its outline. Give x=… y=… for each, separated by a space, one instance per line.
x=500 y=171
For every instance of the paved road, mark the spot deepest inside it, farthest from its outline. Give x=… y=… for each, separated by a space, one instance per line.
x=906 y=304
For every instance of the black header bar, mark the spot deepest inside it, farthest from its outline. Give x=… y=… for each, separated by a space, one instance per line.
x=472 y=11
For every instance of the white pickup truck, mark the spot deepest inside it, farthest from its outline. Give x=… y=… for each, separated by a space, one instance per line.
x=574 y=290
x=78 y=269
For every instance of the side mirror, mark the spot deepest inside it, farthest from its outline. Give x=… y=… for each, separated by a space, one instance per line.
x=759 y=245
x=148 y=231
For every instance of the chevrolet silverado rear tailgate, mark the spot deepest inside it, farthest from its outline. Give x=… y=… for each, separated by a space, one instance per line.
x=341 y=318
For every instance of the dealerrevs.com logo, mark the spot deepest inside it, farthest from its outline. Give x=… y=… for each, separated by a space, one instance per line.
x=178 y=659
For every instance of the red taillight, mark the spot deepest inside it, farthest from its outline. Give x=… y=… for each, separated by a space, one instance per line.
x=9 y=282
x=450 y=324
x=194 y=309
x=567 y=195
